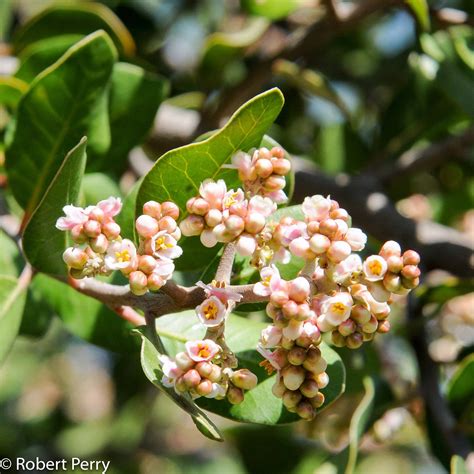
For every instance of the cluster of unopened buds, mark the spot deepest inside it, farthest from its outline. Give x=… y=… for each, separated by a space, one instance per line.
x=199 y=371
x=99 y=248
x=336 y=292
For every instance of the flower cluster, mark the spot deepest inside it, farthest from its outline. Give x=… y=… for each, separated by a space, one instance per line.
x=198 y=372
x=294 y=335
x=219 y=215
x=99 y=248
x=263 y=173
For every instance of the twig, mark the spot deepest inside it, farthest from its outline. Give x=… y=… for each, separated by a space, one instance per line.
x=129 y=314
x=224 y=270
x=436 y=407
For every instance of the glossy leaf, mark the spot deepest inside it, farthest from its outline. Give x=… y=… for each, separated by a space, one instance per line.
x=272 y=9
x=259 y=406
x=151 y=367
x=11 y=91
x=41 y=54
x=133 y=101
x=460 y=391
x=77 y=18
x=86 y=317
x=458 y=465
x=98 y=186
x=12 y=301
x=176 y=175
x=53 y=115
x=421 y=11
x=126 y=218
x=43 y=244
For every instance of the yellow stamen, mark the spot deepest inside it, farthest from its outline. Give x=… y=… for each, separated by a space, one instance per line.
x=123 y=256
x=231 y=199
x=266 y=281
x=203 y=351
x=338 y=308
x=267 y=366
x=210 y=310
x=375 y=267
x=160 y=243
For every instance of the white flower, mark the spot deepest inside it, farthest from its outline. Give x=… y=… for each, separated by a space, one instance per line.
x=121 y=255
x=375 y=268
x=271 y=281
x=356 y=239
x=270 y=336
x=111 y=206
x=170 y=371
x=164 y=246
x=202 y=351
x=337 y=309
x=263 y=205
x=73 y=216
x=316 y=208
x=211 y=311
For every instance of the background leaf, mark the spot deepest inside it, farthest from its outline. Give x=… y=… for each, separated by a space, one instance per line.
x=43 y=243
x=53 y=115
x=11 y=91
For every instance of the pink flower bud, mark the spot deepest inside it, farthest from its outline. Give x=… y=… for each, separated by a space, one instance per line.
x=254 y=222
x=170 y=209
x=213 y=217
x=92 y=229
x=347 y=327
x=293 y=376
x=322 y=379
x=291 y=398
x=278 y=388
x=371 y=325
x=200 y=207
x=146 y=226
x=279 y=298
x=280 y=357
x=296 y=356
x=290 y=309
x=78 y=235
x=354 y=341
x=286 y=343
x=138 y=282
x=235 y=395
x=356 y=239
x=75 y=258
x=384 y=327
x=299 y=247
x=146 y=263
x=111 y=230
x=309 y=388
x=304 y=312
x=234 y=224
x=244 y=379
x=318 y=400
x=319 y=243
x=167 y=224
x=338 y=339
x=152 y=209
x=99 y=244
x=155 y=282
x=410 y=283
x=216 y=374
x=314 y=362
x=410 y=257
x=274 y=183
x=299 y=289
x=208 y=239
x=390 y=248
x=246 y=245
x=277 y=152
x=281 y=166
x=313 y=228
x=204 y=388
x=410 y=272
x=339 y=213
x=338 y=251
x=360 y=314
x=305 y=410
x=96 y=214
x=328 y=227
x=263 y=168
x=192 y=225
x=392 y=282
x=192 y=378
x=394 y=264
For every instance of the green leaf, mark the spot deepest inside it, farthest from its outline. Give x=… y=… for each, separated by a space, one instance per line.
x=272 y=9
x=53 y=115
x=359 y=422
x=458 y=465
x=126 y=218
x=421 y=11
x=460 y=390
x=134 y=98
x=77 y=18
x=86 y=317
x=260 y=405
x=151 y=368
x=98 y=186
x=177 y=174
x=10 y=258
x=221 y=48
x=43 y=243
x=12 y=301
x=41 y=54
x=11 y=91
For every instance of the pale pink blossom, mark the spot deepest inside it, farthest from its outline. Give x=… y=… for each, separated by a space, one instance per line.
x=211 y=312
x=202 y=351
x=356 y=239
x=73 y=216
x=111 y=206
x=293 y=330
x=263 y=205
x=213 y=192
x=271 y=281
x=375 y=268
x=164 y=246
x=316 y=208
x=270 y=336
x=291 y=232
x=351 y=266
x=337 y=308
x=270 y=356
x=243 y=162
x=221 y=291
x=121 y=255
x=170 y=371
x=246 y=245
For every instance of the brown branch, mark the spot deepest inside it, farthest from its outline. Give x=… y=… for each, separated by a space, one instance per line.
x=224 y=270
x=436 y=406
x=129 y=314
x=414 y=160
x=439 y=246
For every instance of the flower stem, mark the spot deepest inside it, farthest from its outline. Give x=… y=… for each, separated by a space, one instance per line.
x=224 y=270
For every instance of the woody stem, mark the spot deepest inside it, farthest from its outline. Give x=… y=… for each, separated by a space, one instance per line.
x=224 y=270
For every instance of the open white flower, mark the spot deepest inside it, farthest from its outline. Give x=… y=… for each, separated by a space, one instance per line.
x=165 y=246
x=375 y=268
x=73 y=216
x=121 y=255
x=337 y=308
x=211 y=312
